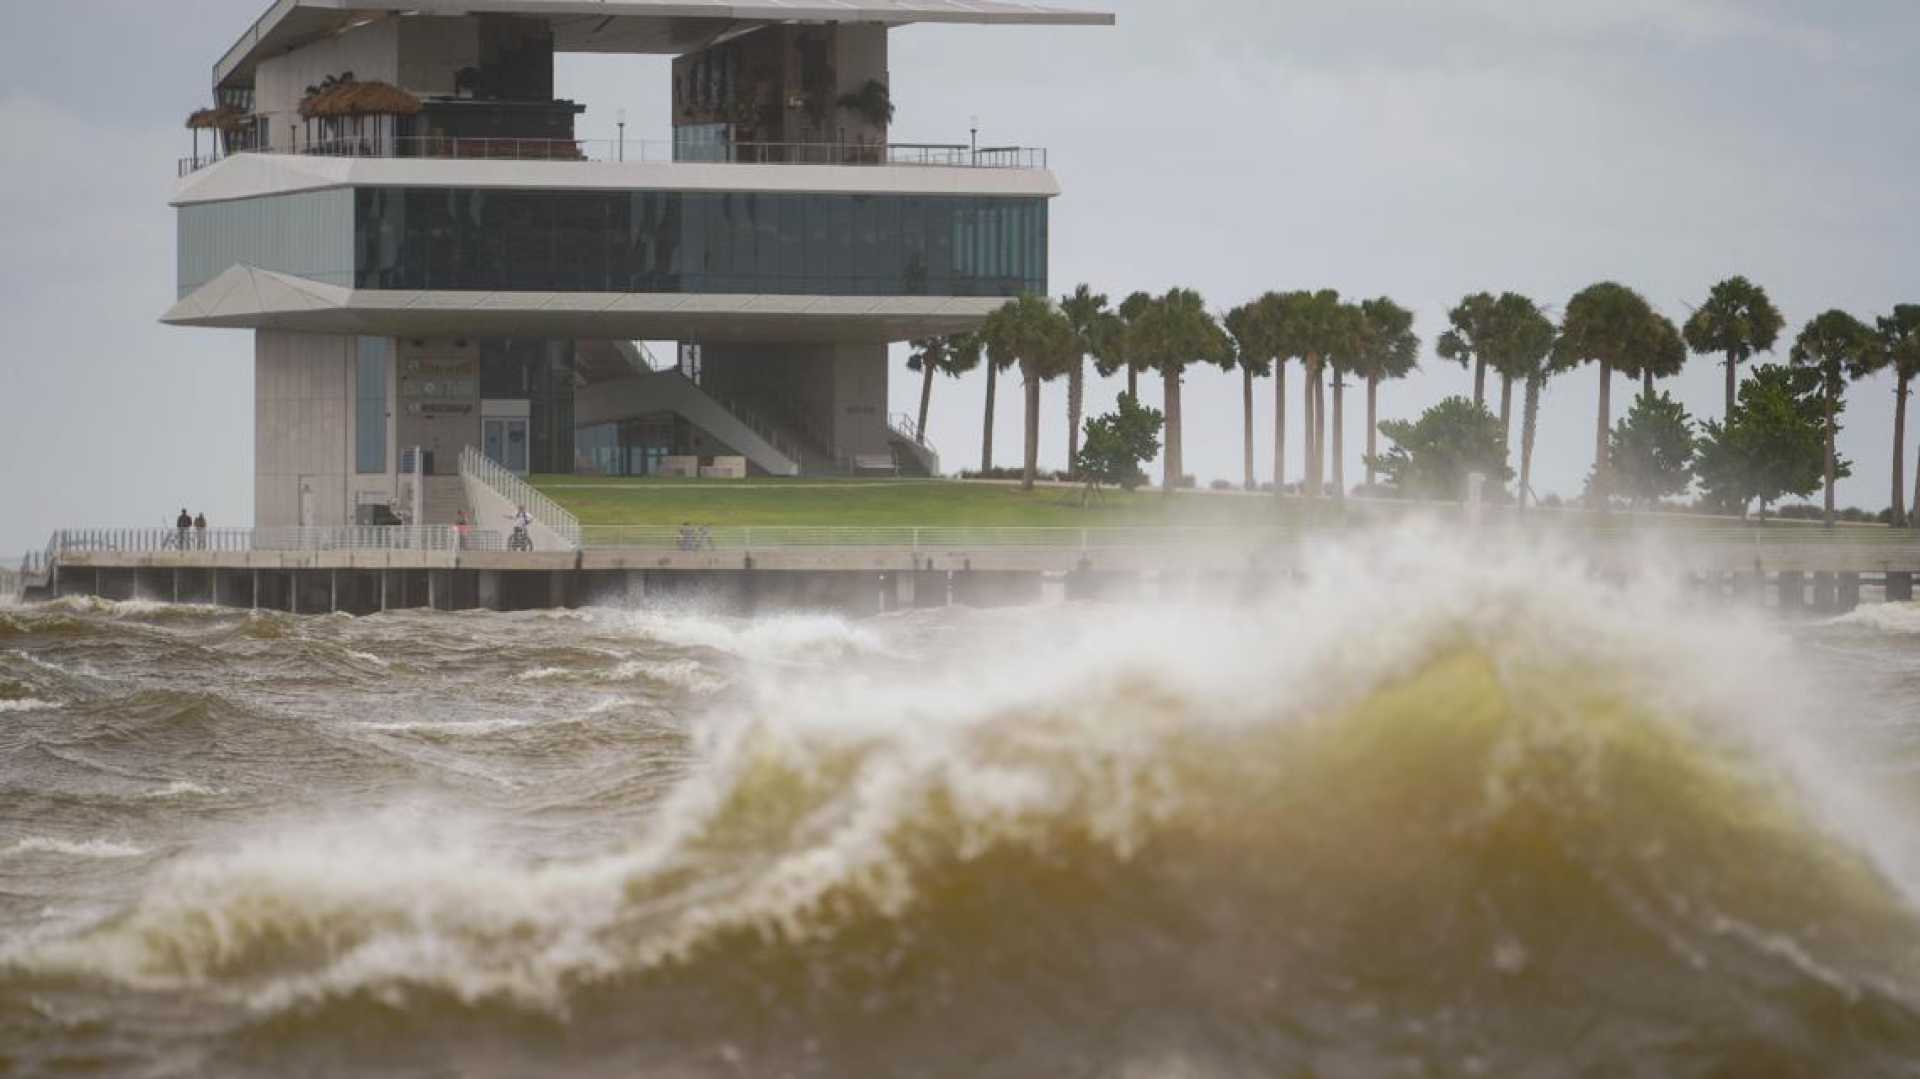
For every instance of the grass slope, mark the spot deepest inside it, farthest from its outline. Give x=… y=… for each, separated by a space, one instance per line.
x=598 y=501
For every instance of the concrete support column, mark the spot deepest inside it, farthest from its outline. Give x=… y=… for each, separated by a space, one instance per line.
x=256 y=590
x=333 y=591
x=1793 y=591
x=385 y=577
x=1899 y=587
x=293 y=591
x=433 y=589
x=176 y=584
x=1849 y=592
x=489 y=598
x=1825 y=593
x=557 y=591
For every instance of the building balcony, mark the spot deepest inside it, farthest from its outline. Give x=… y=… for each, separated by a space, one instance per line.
x=896 y=155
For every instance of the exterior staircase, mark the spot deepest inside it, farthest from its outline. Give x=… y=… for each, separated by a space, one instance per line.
x=912 y=455
x=768 y=446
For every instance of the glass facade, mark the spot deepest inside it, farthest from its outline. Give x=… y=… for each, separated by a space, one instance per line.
x=373 y=365
x=308 y=234
x=538 y=371
x=664 y=241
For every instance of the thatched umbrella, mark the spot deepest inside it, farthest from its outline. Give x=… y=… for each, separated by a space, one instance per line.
x=349 y=98
x=219 y=119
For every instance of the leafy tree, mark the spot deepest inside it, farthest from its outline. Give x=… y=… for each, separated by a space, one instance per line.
x=953 y=355
x=1432 y=457
x=1519 y=342
x=1737 y=321
x=1253 y=353
x=1174 y=332
x=1030 y=332
x=1900 y=351
x=1087 y=312
x=1472 y=326
x=1772 y=444
x=1117 y=445
x=1386 y=348
x=1605 y=324
x=1838 y=347
x=1653 y=449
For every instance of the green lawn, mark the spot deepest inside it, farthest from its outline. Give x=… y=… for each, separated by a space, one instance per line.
x=934 y=503
x=597 y=500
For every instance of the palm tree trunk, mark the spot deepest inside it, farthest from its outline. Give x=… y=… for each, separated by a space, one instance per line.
x=926 y=398
x=1173 y=472
x=1600 y=454
x=1479 y=382
x=1339 y=435
x=1246 y=401
x=1733 y=388
x=1076 y=400
x=1506 y=417
x=1831 y=464
x=1133 y=384
x=1306 y=433
x=1373 y=426
x=1900 y=454
x=1646 y=384
x=1031 y=462
x=1279 y=426
x=1529 y=420
x=986 y=433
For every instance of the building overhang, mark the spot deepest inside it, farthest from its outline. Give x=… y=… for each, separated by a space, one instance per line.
x=248 y=298
x=626 y=26
x=252 y=175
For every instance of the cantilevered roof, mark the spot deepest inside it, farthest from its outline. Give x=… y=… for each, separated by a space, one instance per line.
x=631 y=26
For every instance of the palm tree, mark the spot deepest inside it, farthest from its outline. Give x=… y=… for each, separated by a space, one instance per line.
x=1113 y=356
x=1030 y=332
x=1173 y=332
x=1662 y=353
x=1520 y=340
x=1837 y=346
x=1471 y=326
x=1253 y=354
x=1087 y=312
x=1737 y=321
x=1312 y=331
x=994 y=367
x=953 y=356
x=1282 y=314
x=1606 y=324
x=1389 y=349
x=1900 y=342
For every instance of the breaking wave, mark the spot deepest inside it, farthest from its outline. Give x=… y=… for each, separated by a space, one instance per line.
x=1432 y=809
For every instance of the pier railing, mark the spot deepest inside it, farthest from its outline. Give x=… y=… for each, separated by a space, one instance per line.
x=350 y=538
x=698 y=538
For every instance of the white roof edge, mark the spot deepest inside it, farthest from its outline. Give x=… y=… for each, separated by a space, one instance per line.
x=246 y=176
x=892 y=12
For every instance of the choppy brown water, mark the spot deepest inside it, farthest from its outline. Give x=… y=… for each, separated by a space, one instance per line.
x=1440 y=817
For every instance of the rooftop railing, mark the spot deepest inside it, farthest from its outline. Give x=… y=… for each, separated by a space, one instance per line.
x=898 y=154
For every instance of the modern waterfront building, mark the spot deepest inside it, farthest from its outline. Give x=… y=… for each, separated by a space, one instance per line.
x=398 y=206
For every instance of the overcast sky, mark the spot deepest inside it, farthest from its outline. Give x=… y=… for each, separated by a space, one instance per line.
x=1420 y=151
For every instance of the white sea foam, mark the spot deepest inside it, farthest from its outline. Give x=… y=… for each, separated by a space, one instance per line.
x=542 y=674
x=27 y=704
x=781 y=639
x=71 y=848
x=683 y=674
x=1902 y=619
x=182 y=788
x=368 y=657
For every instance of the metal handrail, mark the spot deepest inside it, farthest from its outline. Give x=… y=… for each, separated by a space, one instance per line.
x=289 y=539
x=897 y=154
x=519 y=492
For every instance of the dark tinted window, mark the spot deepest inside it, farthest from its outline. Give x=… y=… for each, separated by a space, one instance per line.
x=663 y=241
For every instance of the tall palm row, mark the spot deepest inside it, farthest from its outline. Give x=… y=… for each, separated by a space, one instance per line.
x=1607 y=325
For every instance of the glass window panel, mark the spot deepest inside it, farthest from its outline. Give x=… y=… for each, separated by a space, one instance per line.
x=373 y=365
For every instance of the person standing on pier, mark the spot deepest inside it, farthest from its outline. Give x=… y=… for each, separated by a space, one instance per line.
x=183 y=528
x=200 y=531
